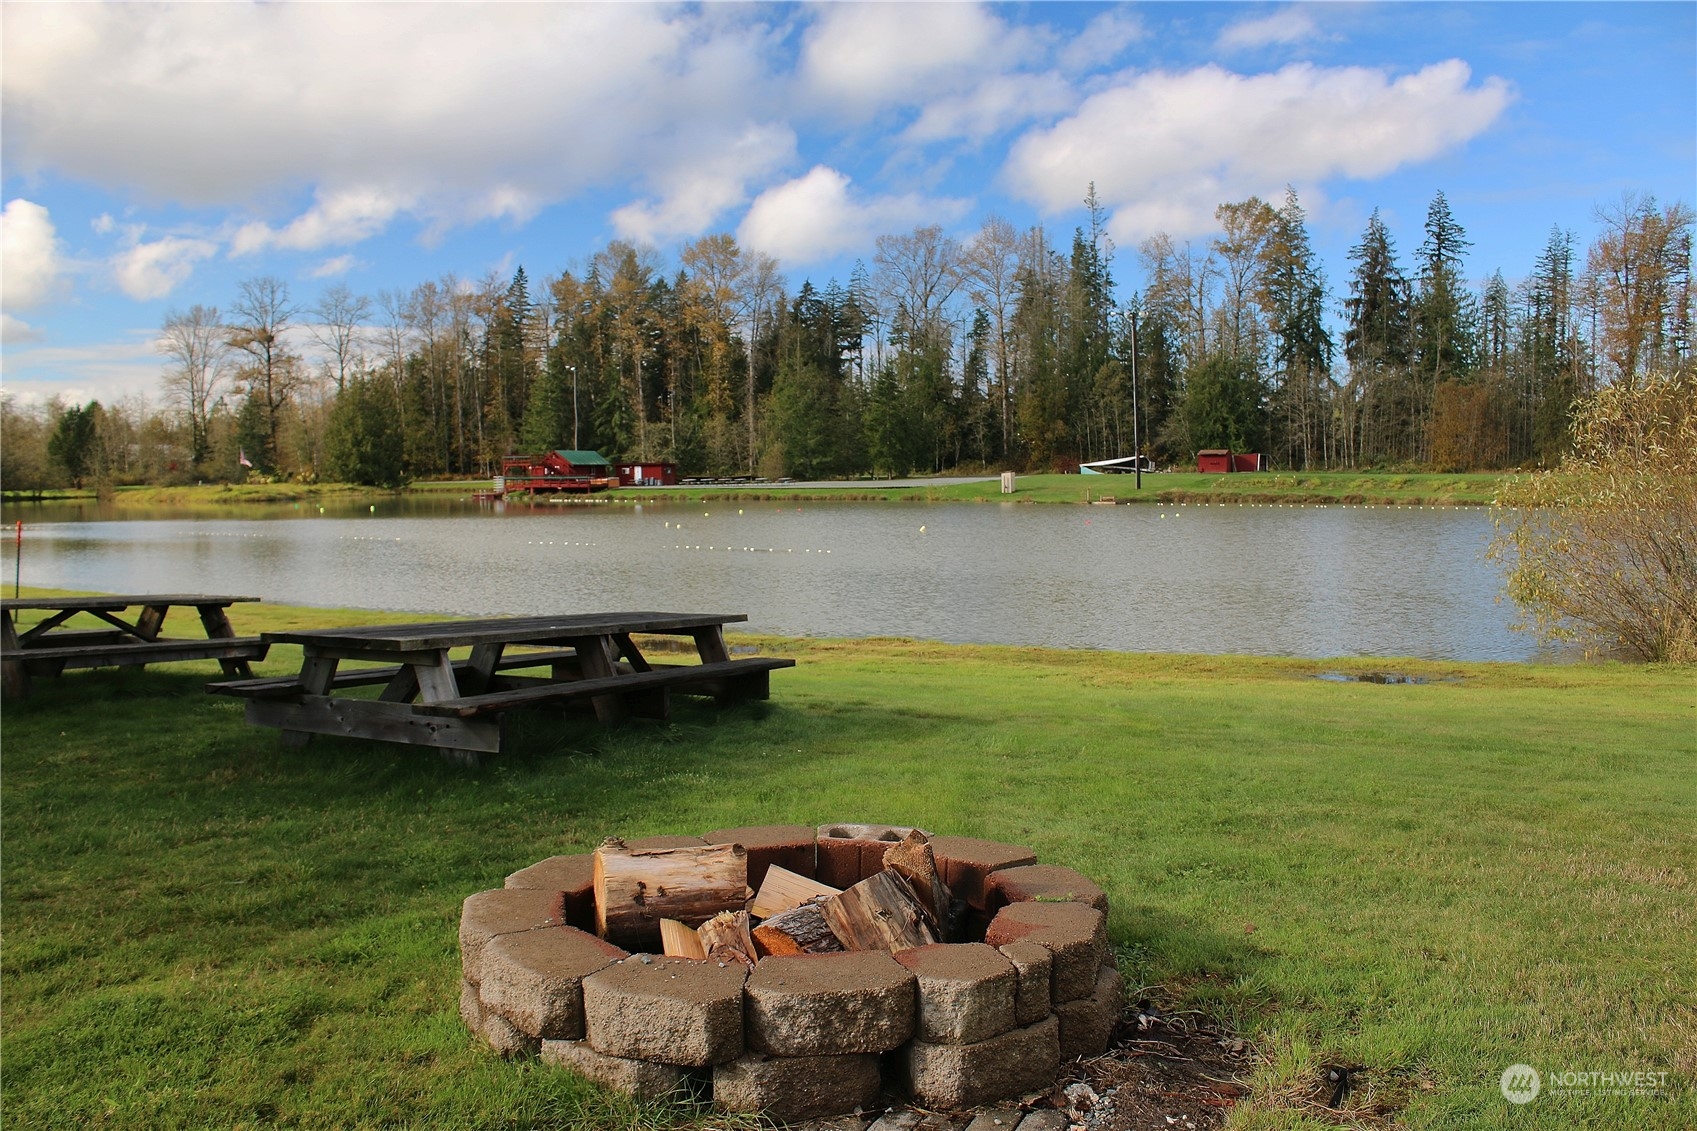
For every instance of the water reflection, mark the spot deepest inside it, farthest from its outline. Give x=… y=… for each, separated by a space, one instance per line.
x=1278 y=581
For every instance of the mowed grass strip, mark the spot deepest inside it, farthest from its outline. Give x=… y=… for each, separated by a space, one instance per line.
x=204 y=928
x=1307 y=488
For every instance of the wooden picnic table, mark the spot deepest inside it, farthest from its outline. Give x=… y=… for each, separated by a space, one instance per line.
x=429 y=698
x=48 y=647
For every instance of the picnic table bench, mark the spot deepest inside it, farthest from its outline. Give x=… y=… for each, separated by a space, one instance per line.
x=458 y=706
x=47 y=648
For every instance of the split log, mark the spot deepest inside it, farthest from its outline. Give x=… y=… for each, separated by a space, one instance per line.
x=783 y=889
x=725 y=937
x=914 y=859
x=800 y=930
x=879 y=913
x=637 y=887
x=679 y=941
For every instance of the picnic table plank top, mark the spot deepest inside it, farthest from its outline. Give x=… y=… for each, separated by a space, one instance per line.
x=112 y=603
x=496 y=630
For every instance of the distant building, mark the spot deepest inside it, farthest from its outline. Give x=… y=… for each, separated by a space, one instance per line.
x=1214 y=461
x=648 y=474
x=556 y=471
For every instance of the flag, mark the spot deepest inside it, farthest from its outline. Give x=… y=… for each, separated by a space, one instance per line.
x=241 y=458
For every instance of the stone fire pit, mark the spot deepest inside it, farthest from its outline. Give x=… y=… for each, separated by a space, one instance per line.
x=1026 y=984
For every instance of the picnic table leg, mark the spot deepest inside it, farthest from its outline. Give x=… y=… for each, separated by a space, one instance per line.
x=599 y=657
x=436 y=680
x=152 y=619
x=318 y=673
x=218 y=627
x=16 y=678
x=628 y=651
x=474 y=680
x=710 y=644
x=402 y=687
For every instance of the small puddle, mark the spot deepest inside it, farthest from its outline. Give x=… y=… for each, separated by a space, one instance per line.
x=1370 y=677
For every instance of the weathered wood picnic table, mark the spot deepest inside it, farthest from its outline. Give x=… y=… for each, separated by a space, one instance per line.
x=47 y=647
x=429 y=698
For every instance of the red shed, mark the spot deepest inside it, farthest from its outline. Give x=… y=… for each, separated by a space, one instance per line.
x=1212 y=461
x=648 y=474
x=559 y=470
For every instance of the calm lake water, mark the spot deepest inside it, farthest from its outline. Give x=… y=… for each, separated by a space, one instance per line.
x=1298 y=581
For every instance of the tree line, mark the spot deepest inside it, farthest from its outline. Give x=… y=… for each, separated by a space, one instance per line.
x=1002 y=350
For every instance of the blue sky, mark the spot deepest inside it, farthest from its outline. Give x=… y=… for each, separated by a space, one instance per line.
x=151 y=157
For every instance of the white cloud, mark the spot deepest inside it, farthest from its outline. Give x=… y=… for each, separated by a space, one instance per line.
x=103 y=224
x=16 y=330
x=233 y=105
x=1102 y=41
x=154 y=269
x=336 y=219
x=105 y=371
x=860 y=58
x=1000 y=102
x=1165 y=148
x=1288 y=25
x=816 y=216
x=31 y=265
x=330 y=268
x=698 y=189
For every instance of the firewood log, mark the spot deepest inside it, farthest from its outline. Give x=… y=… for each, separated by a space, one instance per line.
x=879 y=913
x=635 y=888
x=725 y=937
x=800 y=930
x=679 y=941
x=916 y=862
x=783 y=889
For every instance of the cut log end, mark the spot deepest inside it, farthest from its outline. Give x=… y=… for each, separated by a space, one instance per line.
x=916 y=863
x=680 y=941
x=726 y=937
x=879 y=913
x=799 y=930
x=783 y=889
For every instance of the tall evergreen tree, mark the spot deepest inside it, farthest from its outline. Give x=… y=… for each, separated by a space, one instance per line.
x=74 y=446
x=1377 y=343
x=1445 y=316
x=1292 y=295
x=363 y=442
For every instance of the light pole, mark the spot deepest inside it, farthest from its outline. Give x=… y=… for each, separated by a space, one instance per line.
x=1136 y=442
x=573 y=368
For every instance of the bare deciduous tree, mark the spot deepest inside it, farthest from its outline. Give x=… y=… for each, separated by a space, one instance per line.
x=341 y=316
x=919 y=273
x=990 y=267
x=260 y=315
x=195 y=342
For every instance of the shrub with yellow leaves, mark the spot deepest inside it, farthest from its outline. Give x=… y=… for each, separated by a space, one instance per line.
x=1603 y=549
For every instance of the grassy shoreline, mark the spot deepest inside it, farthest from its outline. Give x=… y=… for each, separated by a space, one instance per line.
x=1329 y=488
x=1434 y=880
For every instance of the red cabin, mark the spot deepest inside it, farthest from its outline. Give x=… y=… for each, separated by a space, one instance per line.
x=1213 y=461
x=560 y=470
x=648 y=474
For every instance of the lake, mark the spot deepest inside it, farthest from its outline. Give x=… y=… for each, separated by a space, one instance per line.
x=1269 y=580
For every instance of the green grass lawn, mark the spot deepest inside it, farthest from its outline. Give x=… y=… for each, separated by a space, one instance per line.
x=204 y=928
x=1307 y=488
x=1332 y=488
